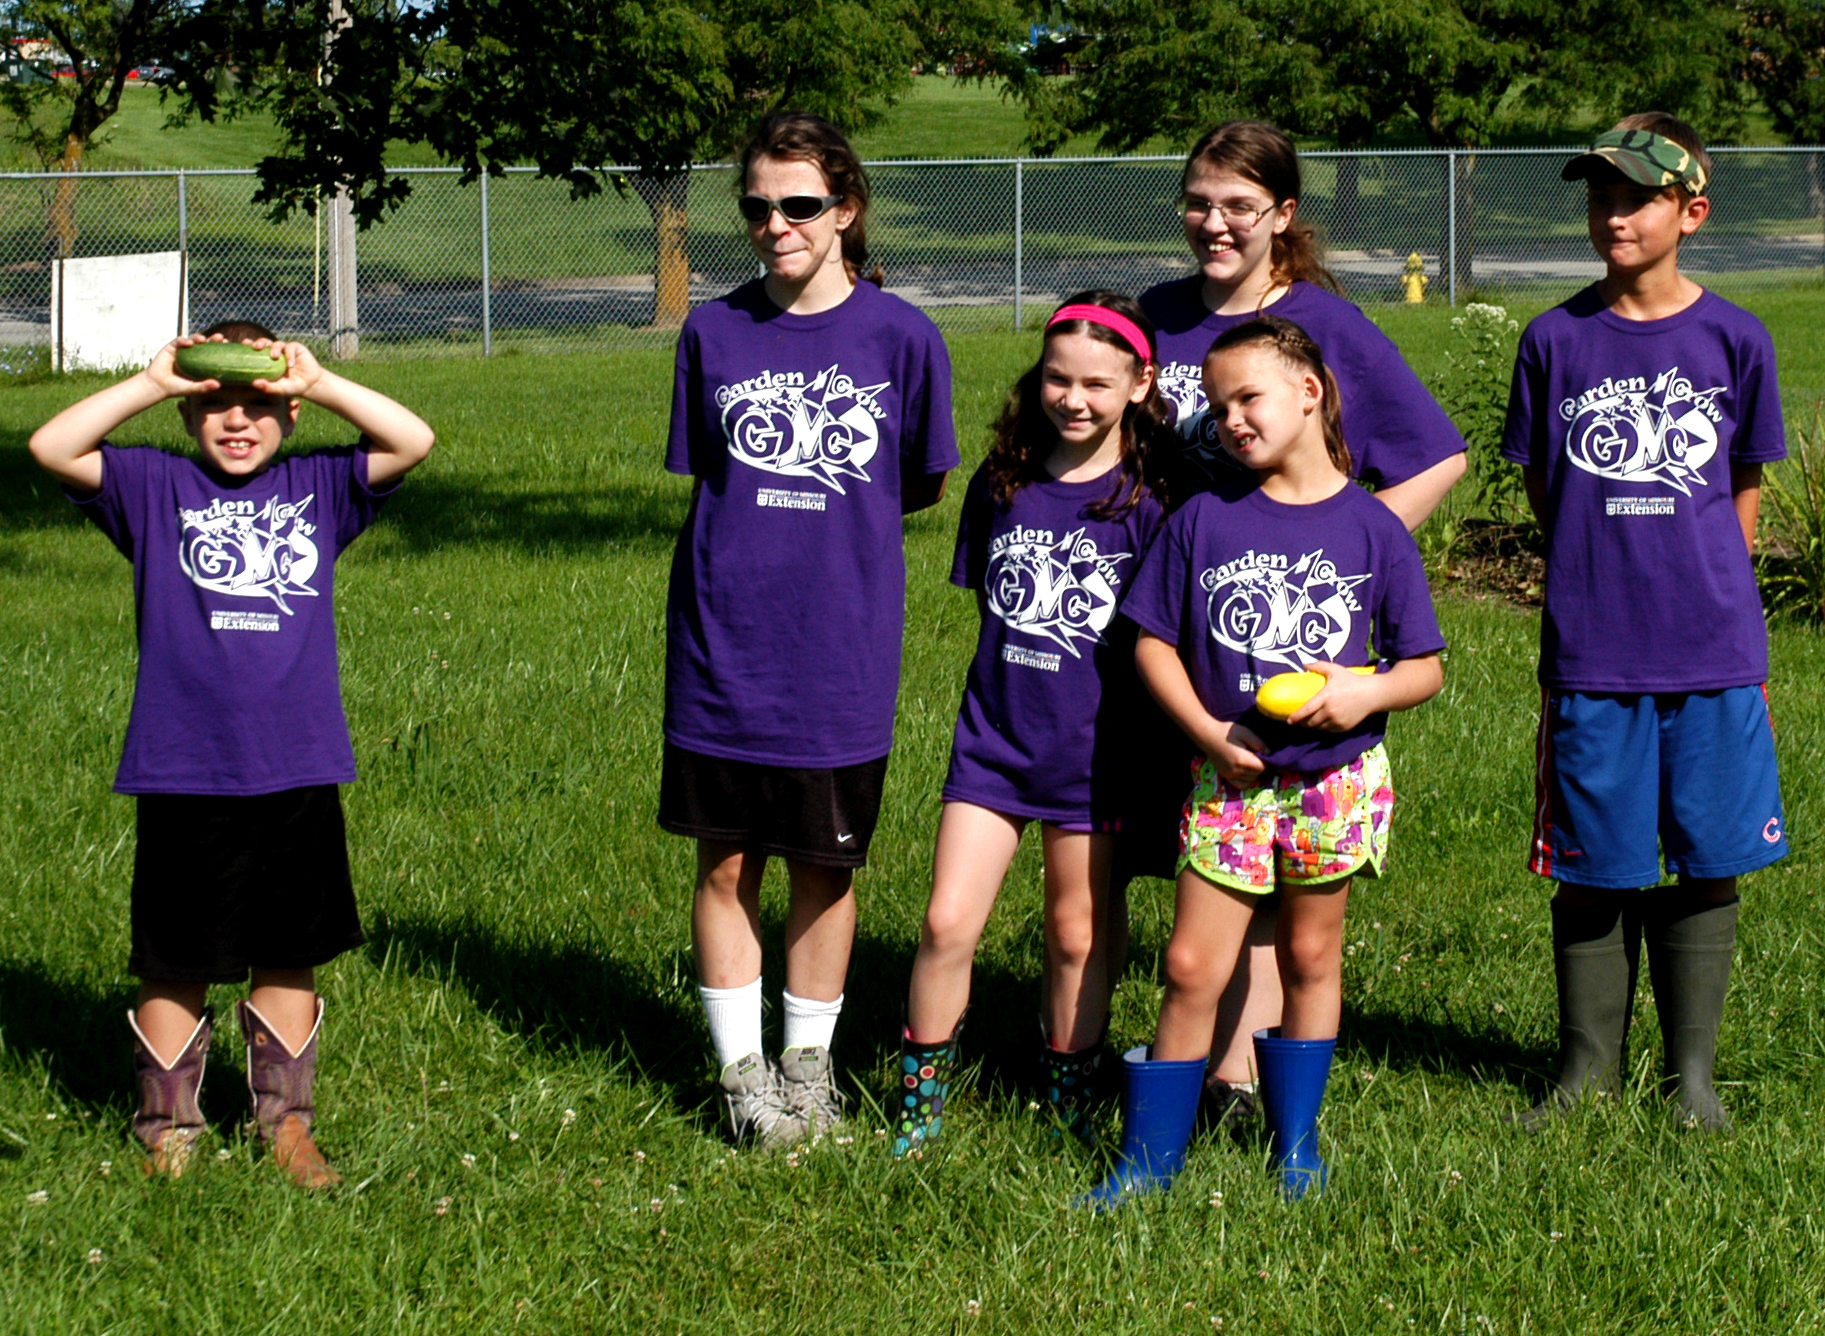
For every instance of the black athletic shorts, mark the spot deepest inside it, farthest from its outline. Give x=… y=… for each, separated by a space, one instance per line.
x=813 y=816
x=224 y=884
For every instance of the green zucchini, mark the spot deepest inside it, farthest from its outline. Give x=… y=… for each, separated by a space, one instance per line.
x=230 y=363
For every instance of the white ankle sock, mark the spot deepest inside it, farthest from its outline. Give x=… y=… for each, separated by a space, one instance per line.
x=810 y=1024
x=734 y=1017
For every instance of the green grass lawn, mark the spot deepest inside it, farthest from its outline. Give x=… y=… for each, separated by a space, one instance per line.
x=940 y=117
x=514 y=1075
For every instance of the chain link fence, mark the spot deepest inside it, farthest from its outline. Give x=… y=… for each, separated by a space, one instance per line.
x=512 y=262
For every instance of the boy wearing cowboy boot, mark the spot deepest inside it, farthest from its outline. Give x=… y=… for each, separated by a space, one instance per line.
x=237 y=740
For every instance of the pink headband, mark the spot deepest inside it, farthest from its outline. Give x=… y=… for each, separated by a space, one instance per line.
x=1115 y=320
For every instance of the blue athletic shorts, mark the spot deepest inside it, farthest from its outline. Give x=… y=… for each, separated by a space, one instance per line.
x=1693 y=771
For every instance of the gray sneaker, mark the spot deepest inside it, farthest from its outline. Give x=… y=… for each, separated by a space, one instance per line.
x=754 y=1099
x=808 y=1083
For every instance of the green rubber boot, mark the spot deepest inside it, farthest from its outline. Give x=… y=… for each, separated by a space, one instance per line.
x=1596 y=956
x=1689 y=951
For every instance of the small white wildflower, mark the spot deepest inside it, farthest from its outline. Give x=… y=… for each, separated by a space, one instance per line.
x=443 y=1205
x=845 y=1141
x=1032 y=1106
x=570 y=1116
x=107 y=1167
x=95 y=1257
x=446 y=616
x=38 y=1198
x=655 y=1205
x=468 y=1161
x=1216 y=1199
x=639 y=1156
x=513 y=1136
x=50 y=1117
x=1217 y=1322
x=973 y=1307
x=224 y=1154
x=1555 y=1236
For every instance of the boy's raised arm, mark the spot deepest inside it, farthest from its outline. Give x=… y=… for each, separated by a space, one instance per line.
x=398 y=439
x=68 y=447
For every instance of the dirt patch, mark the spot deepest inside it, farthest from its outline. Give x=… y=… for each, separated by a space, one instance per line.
x=1491 y=559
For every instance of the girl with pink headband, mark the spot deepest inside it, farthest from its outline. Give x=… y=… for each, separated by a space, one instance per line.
x=1053 y=528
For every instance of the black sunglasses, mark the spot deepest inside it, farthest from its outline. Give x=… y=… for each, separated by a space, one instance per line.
x=793 y=208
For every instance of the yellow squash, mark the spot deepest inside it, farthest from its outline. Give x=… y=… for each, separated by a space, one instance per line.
x=1282 y=694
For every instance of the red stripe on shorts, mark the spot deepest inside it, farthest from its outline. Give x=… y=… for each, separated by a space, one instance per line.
x=1542 y=861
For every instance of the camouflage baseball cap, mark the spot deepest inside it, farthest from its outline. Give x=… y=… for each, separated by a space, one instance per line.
x=1647 y=159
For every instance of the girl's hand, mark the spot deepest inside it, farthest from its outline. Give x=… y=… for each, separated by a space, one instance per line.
x=1236 y=753
x=1343 y=702
x=163 y=373
x=302 y=371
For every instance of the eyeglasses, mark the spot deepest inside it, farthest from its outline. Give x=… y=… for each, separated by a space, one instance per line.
x=1237 y=217
x=794 y=208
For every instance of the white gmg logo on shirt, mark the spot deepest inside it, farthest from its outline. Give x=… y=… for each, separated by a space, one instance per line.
x=1279 y=611
x=824 y=430
x=1182 y=386
x=1063 y=590
x=1633 y=432
x=234 y=547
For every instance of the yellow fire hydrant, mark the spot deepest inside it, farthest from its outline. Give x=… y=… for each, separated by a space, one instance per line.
x=1413 y=279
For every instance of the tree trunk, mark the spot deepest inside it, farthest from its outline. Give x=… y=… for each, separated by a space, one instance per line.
x=1347 y=199
x=60 y=235
x=668 y=201
x=1815 y=194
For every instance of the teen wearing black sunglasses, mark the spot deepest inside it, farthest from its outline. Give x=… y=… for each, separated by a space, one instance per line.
x=793 y=208
x=812 y=409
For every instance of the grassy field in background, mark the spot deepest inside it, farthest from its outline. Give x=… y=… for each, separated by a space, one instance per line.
x=939 y=117
x=514 y=1075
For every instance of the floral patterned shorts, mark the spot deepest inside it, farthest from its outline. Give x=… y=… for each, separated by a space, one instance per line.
x=1296 y=826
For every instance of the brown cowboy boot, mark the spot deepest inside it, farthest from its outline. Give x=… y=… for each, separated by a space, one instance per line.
x=169 y=1120
x=280 y=1083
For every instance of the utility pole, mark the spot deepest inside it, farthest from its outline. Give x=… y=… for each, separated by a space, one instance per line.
x=345 y=316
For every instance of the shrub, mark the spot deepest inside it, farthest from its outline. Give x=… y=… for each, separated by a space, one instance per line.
x=1475 y=394
x=1790 y=549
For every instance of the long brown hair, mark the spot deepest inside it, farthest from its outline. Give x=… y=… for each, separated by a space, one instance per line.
x=1024 y=436
x=802 y=137
x=1258 y=152
x=1297 y=350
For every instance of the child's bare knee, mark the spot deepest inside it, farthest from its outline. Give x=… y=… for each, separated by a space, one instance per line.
x=1188 y=972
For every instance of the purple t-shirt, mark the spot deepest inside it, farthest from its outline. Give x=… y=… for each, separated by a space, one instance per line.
x=1649 y=586
x=788 y=587
x=1394 y=427
x=1043 y=731
x=1247 y=587
x=233 y=588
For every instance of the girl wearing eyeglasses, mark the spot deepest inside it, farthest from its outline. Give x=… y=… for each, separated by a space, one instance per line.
x=1240 y=204
x=811 y=410
x=1053 y=528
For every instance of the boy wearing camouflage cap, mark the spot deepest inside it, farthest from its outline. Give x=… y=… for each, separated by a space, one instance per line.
x=1641 y=413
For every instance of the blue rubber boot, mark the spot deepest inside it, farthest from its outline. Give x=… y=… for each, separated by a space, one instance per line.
x=1291 y=1075
x=1159 y=1109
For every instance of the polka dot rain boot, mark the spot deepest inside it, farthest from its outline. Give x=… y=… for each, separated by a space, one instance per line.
x=925 y=1074
x=1071 y=1084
